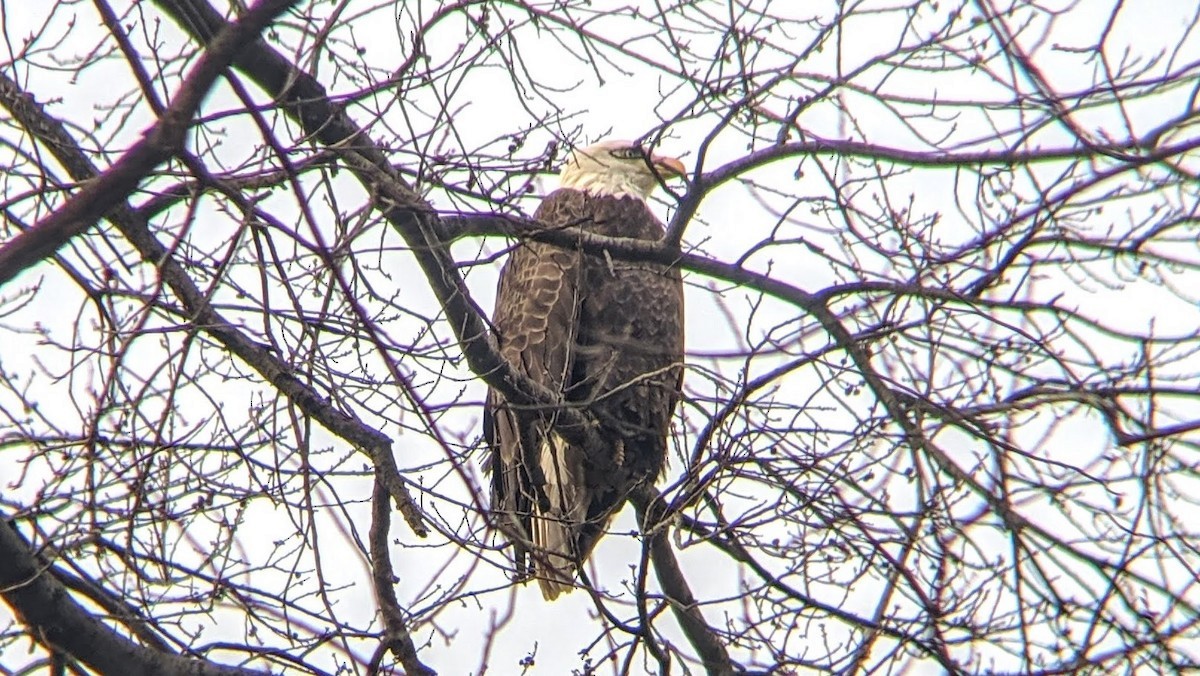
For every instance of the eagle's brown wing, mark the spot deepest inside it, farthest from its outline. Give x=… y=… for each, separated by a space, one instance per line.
x=537 y=482
x=628 y=364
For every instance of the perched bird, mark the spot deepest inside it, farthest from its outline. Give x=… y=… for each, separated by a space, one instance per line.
x=605 y=333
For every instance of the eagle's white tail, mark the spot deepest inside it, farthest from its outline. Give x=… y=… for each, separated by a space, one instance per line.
x=556 y=529
x=552 y=557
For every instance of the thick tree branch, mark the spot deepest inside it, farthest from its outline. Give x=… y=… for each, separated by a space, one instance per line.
x=53 y=616
x=624 y=248
x=1136 y=154
x=396 y=635
x=135 y=228
x=655 y=521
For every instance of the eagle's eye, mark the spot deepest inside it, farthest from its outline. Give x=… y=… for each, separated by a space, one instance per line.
x=627 y=153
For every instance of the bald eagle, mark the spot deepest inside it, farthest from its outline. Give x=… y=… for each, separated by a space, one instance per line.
x=605 y=333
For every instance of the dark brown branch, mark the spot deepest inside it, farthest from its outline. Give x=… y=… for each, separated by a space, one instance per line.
x=143 y=627
x=624 y=248
x=56 y=620
x=1129 y=154
x=1132 y=153
x=134 y=227
x=652 y=514
x=159 y=144
x=396 y=635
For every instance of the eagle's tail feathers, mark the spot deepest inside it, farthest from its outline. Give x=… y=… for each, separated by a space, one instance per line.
x=553 y=562
x=555 y=530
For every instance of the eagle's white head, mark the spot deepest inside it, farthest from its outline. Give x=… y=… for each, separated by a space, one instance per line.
x=619 y=169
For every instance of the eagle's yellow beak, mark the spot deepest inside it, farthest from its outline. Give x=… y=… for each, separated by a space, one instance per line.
x=668 y=166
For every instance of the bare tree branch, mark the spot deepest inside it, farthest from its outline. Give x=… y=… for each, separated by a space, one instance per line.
x=28 y=585
x=161 y=142
x=940 y=397
x=397 y=637
x=656 y=523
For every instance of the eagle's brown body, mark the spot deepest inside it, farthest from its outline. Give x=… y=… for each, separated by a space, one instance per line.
x=608 y=335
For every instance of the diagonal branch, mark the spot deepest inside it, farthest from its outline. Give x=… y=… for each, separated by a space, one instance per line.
x=133 y=226
x=53 y=616
x=655 y=520
x=160 y=143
